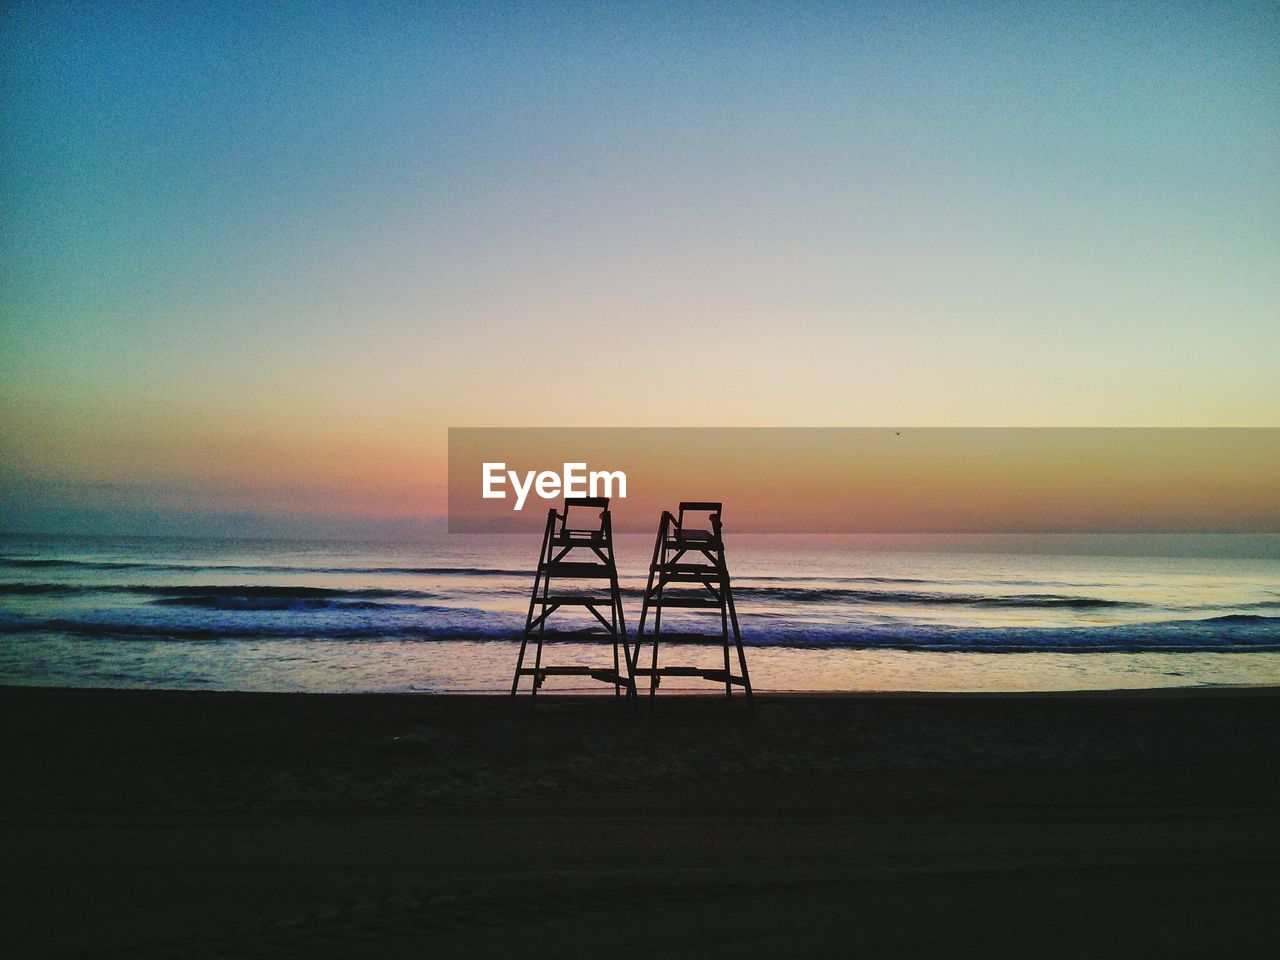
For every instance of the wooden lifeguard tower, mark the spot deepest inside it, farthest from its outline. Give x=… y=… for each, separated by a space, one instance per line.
x=687 y=554
x=576 y=569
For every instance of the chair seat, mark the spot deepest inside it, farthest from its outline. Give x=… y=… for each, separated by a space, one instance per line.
x=688 y=602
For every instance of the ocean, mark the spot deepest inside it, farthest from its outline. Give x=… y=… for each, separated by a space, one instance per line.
x=444 y=614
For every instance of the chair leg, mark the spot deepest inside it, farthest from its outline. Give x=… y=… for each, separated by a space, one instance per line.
x=515 y=683
x=737 y=634
x=617 y=677
x=537 y=667
x=724 y=634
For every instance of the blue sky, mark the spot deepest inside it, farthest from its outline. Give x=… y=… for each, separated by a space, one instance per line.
x=248 y=245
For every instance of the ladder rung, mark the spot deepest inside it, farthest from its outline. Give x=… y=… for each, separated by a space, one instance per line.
x=720 y=676
x=711 y=578
x=604 y=675
x=608 y=676
x=575 y=600
x=699 y=569
x=579 y=570
x=587 y=636
x=682 y=637
x=709 y=603
x=723 y=676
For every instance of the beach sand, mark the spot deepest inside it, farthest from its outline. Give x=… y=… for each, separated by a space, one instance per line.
x=158 y=824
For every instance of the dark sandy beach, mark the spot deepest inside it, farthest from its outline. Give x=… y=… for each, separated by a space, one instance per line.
x=158 y=824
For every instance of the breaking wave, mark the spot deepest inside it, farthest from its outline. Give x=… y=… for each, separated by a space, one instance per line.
x=222 y=618
x=926 y=598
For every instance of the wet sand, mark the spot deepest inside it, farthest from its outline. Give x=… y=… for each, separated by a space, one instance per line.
x=216 y=824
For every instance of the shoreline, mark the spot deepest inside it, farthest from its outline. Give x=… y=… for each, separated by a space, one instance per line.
x=600 y=692
x=468 y=668
x=1205 y=690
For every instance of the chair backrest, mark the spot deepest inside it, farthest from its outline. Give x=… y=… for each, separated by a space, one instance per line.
x=697 y=516
x=581 y=509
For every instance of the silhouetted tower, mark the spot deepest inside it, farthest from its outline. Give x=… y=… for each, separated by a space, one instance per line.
x=575 y=567
x=687 y=555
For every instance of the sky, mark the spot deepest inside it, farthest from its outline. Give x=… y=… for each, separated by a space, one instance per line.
x=256 y=259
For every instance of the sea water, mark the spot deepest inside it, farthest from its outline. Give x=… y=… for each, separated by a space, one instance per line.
x=445 y=614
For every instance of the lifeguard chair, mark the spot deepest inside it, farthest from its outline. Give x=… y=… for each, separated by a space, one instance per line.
x=576 y=569
x=689 y=553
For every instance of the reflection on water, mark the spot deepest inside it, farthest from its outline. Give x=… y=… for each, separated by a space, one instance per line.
x=469 y=666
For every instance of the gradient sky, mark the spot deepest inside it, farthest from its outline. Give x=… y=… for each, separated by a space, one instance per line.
x=260 y=257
